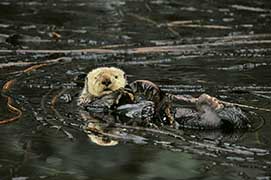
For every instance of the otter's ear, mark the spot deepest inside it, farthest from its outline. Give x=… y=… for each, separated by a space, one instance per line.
x=125 y=76
x=86 y=83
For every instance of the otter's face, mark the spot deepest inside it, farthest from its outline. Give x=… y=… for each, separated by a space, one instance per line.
x=105 y=80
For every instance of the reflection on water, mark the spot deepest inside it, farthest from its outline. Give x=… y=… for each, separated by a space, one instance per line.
x=187 y=47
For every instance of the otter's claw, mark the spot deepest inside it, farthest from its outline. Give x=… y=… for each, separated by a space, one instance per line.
x=83 y=100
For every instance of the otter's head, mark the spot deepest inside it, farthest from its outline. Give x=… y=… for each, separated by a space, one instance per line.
x=105 y=80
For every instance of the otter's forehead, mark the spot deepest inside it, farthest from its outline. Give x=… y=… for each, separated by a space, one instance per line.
x=116 y=71
x=105 y=70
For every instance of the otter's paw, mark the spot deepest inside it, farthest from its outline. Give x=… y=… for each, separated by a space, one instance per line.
x=210 y=101
x=83 y=100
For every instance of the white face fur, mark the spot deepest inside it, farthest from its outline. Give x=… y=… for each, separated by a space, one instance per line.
x=104 y=80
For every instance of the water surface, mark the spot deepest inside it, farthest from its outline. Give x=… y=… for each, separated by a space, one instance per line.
x=186 y=47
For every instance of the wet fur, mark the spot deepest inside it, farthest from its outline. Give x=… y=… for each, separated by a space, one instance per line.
x=209 y=112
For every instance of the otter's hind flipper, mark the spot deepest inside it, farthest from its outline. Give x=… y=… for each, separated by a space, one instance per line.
x=227 y=118
x=193 y=119
x=233 y=118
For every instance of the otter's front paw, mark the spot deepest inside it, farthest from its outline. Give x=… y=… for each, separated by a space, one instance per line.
x=210 y=101
x=83 y=100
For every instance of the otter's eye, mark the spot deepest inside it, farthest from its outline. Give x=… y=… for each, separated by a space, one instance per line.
x=116 y=77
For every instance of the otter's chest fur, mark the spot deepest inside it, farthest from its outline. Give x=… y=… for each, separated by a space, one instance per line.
x=141 y=100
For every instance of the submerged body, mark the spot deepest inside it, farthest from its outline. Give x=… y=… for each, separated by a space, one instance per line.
x=143 y=103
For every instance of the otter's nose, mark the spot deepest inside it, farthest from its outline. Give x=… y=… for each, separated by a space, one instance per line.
x=106 y=82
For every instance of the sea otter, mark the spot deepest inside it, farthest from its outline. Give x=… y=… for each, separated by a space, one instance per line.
x=106 y=90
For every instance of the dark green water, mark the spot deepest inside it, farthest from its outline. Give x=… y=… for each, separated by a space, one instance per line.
x=187 y=47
